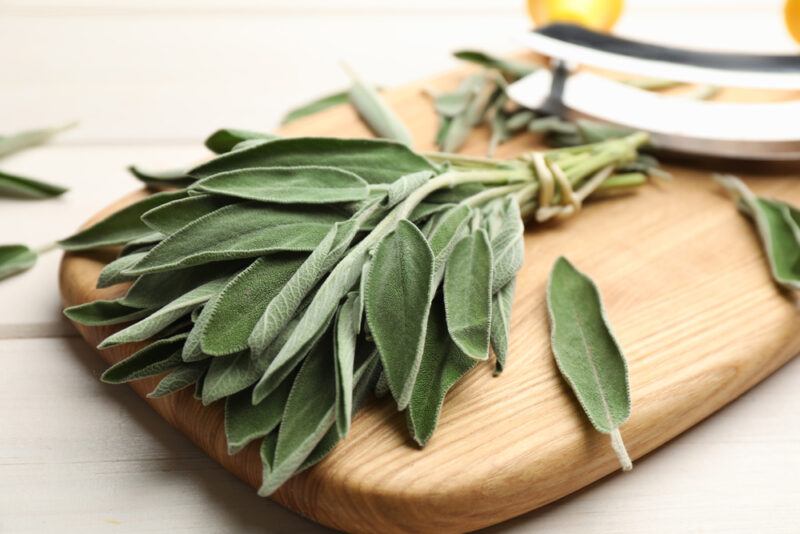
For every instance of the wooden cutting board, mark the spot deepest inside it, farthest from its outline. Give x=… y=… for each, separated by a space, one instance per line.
x=688 y=294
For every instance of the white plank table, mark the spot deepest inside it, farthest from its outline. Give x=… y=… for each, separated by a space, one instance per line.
x=148 y=80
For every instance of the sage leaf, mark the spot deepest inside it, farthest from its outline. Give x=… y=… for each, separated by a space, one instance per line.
x=443 y=364
x=10 y=144
x=587 y=353
x=398 y=294
x=376 y=113
x=225 y=139
x=141 y=244
x=344 y=351
x=316 y=106
x=501 y=324
x=15 y=259
x=404 y=186
x=120 y=227
x=112 y=272
x=245 y=421
x=170 y=217
x=287 y=185
x=228 y=375
x=468 y=294
x=178 y=379
x=376 y=161
x=267 y=454
x=508 y=244
x=245 y=230
x=509 y=67
x=243 y=301
x=446 y=232
x=792 y=216
x=161 y=178
x=15 y=186
x=105 y=312
x=154 y=359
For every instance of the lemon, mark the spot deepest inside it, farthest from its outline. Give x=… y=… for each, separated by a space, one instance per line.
x=791 y=16
x=598 y=15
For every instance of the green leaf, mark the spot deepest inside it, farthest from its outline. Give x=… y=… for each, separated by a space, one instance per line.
x=141 y=244
x=170 y=217
x=792 y=217
x=344 y=350
x=505 y=229
x=162 y=178
x=243 y=301
x=152 y=360
x=243 y=230
x=178 y=379
x=468 y=294
x=376 y=113
x=9 y=144
x=398 y=294
x=245 y=421
x=225 y=139
x=228 y=375
x=161 y=319
x=449 y=228
x=509 y=67
x=501 y=324
x=316 y=106
x=376 y=161
x=443 y=364
x=15 y=259
x=15 y=186
x=105 y=312
x=112 y=272
x=287 y=185
x=587 y=353
x=120 y=227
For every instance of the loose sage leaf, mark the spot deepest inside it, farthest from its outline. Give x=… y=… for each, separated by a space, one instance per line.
x=225 y=139
x=344 y=350
x=468 y=294
x=228 y=375
x=316 y=106
x=112 y=272
x=376 y=161
x=159 y=320
x=161 y=178
x=170 y=217
x=15 y=259
x=178 y=379
x=308 y=416
x=287 y=185
x=587 y=353
x=443 y=364
x=105 y=312
x=15 y=186
x=777 y=235
x=501 y=324
x=509 y=67
x=245 y=230
x=154 y=359
x=9 y=144
x=376 y=112
x=243 y=301
x=120 y=227
x=398 y=294
x=245 y=421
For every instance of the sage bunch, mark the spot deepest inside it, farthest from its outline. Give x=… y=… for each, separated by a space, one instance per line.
x=291 y=277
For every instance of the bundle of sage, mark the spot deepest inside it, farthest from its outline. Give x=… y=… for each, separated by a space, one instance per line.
x=290 y=277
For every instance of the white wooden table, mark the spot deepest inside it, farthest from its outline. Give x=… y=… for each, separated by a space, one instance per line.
x=148 y=80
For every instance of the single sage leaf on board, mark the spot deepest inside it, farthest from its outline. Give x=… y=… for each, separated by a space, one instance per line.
x=443 y=364
x=178 y=379
x=16 y=186
x=287 y=185
x=245 y=421
x=245 y=230
x=468 y=294
x=15 y=259
x=243 y=301
x=120 y=227
x=587 y=353
x=225 y=139
x=10 y=144
x=316 y=106
x=228 y=375
x=157 y=357
x=376 y=161
x=105 y=312
x=170 y=217
x=161 y=178
x=112 y=272
x=398 y=295
x=344 y=352
x=501 y=324
x=509 y=67
x=376 y=112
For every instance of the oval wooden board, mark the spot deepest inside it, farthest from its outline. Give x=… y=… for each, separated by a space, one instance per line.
x=687 y=291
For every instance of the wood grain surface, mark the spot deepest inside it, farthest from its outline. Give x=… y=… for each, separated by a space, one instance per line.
x=689 y=296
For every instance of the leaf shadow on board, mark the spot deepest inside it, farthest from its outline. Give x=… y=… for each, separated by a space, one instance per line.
x=235 y=503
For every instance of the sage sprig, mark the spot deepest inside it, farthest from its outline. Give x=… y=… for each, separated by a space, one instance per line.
x=587 y=353
x=288 y=275
x=15 y=186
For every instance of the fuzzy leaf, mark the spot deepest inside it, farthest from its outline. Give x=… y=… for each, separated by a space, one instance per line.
x=178 y=379
x=10 y=144
x=398 y=294
x=509 y=67
x=15 y=259
x=376 y=113
x=344 y=351
x=505 y=229
x=105 y=312
x=245 y=421
x=316 y=106
x=152 y=360
x=15 y=186
x=170 y=217
x=225 y=139
x=448 y=229
x=501 y=324
x=161 y=178
x=228 y=375
x=112 y=272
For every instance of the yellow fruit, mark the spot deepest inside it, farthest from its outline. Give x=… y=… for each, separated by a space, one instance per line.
x=598 y=15
x=791 y=15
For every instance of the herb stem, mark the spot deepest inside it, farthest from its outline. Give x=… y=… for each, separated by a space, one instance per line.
x=46 y=248
x=619 y=448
